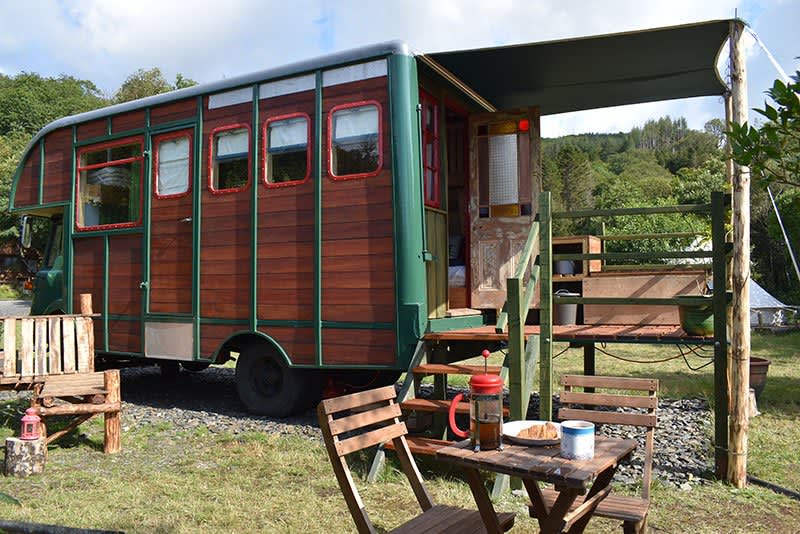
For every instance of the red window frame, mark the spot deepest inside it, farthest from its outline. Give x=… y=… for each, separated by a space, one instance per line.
x=78 y=169
x=189 y=134
x=432 y=198
x=356 y=176
x=265 y=150
x=215 y=131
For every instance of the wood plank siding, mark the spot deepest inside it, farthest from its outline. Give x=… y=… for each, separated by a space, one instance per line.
x=27 y=193
x=58 y=166
x=127 y=121
x=92 y=130
x=174 y=111
x=89 y=277
x=357 y=243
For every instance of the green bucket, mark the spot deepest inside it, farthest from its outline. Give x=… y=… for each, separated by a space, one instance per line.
x=697 y=315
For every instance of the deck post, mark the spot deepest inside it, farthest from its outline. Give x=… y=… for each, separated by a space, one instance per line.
x=546 y=308
x=516 y=350
x=740 y=331
x=720 y=304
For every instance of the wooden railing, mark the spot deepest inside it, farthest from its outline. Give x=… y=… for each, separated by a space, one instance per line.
x=36 y=347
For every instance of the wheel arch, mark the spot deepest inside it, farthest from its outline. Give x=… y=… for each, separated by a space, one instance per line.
x=237 y=341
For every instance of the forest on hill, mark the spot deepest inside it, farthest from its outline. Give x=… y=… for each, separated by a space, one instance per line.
x=663 y=162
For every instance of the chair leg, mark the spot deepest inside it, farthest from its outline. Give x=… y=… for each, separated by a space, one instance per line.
x=629 y=527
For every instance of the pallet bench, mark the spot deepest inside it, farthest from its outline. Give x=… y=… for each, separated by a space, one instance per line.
x=53 y=356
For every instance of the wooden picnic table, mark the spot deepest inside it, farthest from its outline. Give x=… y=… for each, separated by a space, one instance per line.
x=543 y=464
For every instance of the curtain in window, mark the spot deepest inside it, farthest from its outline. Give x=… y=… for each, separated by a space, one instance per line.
x=355 y=122
x=232 y=142
x=288 y=133
x=173 y=166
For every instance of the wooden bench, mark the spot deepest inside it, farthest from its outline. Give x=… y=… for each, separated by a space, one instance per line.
x=632 y=511
x=53 y=356
x=355 y=422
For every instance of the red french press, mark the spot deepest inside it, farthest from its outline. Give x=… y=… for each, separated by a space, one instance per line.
x=485 y=410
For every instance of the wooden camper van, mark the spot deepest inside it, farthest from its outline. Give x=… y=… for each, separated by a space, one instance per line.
x=312 y=219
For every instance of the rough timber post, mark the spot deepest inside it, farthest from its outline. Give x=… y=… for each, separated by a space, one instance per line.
x=740 y=331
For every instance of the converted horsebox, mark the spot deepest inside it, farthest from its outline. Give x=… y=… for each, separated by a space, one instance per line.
x=314 y=220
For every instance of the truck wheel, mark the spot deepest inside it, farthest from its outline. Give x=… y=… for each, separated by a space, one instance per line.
x=267 y=386
x=195 y=367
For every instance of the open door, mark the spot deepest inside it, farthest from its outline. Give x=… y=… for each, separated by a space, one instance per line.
x=505 y=181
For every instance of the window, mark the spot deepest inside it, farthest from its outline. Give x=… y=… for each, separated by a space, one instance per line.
x=503 y=169
x=430 y=148
x=229 y=159
x=354 y=140
x=110 y=185
x=287 y=158
x=172 y=164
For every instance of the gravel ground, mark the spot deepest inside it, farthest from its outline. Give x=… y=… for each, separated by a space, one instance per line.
x=208 y=399
x=10 y=308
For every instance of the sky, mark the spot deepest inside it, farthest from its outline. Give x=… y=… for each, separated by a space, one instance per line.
x=106 y=40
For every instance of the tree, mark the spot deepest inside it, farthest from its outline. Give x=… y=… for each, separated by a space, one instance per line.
x=772 y=151
x=143 y=83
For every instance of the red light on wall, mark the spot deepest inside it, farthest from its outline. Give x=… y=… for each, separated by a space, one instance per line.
x=524 y=125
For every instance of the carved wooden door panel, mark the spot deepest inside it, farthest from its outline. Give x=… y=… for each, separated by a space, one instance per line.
x=505 y=181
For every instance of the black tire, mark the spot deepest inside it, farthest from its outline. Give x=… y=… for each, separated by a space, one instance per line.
x=268 y=386
x=169 y=369
x=195 y=367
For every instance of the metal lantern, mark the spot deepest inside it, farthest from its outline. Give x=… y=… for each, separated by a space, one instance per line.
x=30 y=425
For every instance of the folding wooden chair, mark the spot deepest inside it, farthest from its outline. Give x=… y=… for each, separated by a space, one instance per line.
x=589 y=405
x=354 y=422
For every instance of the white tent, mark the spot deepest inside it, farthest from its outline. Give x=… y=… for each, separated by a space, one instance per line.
x=766 y=310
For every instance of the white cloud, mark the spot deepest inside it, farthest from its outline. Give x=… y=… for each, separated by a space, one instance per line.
x=209 y=40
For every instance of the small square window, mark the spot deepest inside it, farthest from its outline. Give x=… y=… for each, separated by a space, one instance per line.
x=355 y=150
x=173 y=164
x=230 y=159
x=287 y=157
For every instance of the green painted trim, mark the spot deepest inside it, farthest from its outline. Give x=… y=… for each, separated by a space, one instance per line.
x=633 y=255
x=69 y=229
x=262 y=335
x=254 y=210
x=179 y=124
x=342 y=325
x=120 y=353
x=196 y=216
x=108 y=125
x=407 y=208
x=516 y=350
x=26 y=209
x=167 y=318
x=110 y=137
x=116 y=317
x=455 y=323
x=288 y=323
x=41 y=171
x=317 y=177
x=147 y=206
x=102 y=233
x=545 y=308
x=106 y=277
x=212 y=320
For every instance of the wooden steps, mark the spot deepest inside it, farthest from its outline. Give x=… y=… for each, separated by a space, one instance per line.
x=455 y=369
x=421 y=445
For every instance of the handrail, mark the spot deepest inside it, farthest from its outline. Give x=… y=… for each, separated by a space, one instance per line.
x=617 y=212
x=519 y=272
x=635 y=237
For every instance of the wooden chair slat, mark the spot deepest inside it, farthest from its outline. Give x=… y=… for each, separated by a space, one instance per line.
x=9 y=346
x=611 y=418
x=359 y=420
x=602 y=399
x=54 y=326
x=68 y=335
x=40 y=343
x=610 y=382
x=26 y=353
x=83 y=327
x=354 y=400
x=371 y=438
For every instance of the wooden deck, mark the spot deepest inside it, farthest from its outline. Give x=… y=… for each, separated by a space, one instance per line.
x=671 y=334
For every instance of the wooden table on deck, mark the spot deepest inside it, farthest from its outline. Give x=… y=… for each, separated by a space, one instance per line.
x=543 y=464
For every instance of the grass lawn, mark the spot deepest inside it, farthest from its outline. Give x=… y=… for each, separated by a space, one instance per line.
x=169 y=480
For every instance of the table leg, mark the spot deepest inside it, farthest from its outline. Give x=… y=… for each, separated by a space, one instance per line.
x=481 y=497
x=600 y=483
x=550 y=520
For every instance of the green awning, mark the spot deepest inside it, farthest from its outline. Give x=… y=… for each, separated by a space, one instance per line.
x=596 y=72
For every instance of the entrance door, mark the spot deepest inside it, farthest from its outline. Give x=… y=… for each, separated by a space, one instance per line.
x=505 y=181
x=171 y=251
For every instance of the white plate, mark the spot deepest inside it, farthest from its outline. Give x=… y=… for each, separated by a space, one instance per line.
x=512 y=429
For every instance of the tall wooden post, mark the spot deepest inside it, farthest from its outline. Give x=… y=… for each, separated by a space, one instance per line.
x=740 y=338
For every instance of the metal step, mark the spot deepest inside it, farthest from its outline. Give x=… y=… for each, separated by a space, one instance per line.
x=455 y=369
